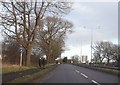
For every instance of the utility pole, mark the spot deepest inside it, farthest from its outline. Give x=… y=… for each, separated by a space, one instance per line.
x=91 y=43
x=91 y=39
x=81 y=52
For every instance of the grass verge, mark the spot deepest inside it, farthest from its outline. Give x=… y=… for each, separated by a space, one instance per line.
x=14 y=68
x=31 y=77
x=116 y=72
x=110 y=71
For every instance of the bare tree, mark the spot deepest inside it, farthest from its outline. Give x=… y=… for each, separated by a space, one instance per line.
x=108 y=51
x=10 y=52
x=97 y=57
x=51 y=37
x=98 y=52
x=116 y=53
x=22 y=19
x=56 y=48
x=103 y=50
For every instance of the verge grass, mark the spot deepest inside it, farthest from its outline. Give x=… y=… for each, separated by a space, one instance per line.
x=31 y=77
x=116 y=72
x=14 y=68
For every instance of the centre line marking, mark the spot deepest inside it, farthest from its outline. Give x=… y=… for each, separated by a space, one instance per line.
x=95 y=82
x=77 y=71
x=84 y=75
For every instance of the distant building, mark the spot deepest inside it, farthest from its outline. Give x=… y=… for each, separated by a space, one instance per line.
x=84 y=59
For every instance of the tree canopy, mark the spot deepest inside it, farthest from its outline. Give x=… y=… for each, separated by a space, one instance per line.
x=22 y=19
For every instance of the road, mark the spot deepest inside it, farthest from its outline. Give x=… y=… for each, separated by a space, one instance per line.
x=66 y=73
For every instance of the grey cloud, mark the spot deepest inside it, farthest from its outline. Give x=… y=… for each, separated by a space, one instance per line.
x=92 y=15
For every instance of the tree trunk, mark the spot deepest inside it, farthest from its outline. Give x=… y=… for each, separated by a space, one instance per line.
x=24 y=58
x=118 y=61
x=48 y=59
x=100 y=61
x=28 y=57
x=52 y=59
x=108 y=60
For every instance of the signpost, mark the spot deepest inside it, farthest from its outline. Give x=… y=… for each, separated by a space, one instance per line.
x=21 y=49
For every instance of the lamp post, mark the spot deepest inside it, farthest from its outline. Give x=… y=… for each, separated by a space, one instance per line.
x=92 y=40
x=81 y=52
x=91 y=43
x=91 y=46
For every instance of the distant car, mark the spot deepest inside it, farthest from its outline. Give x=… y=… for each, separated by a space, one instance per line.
x=58 y=62
x=71 y=61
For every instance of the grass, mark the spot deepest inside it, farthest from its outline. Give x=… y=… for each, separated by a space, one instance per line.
x=14 y=68
x=109 y=70
x=31 y=77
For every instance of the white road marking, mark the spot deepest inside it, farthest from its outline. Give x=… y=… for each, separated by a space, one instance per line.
x=84 y=75
x=77 y=71
x=95 y=82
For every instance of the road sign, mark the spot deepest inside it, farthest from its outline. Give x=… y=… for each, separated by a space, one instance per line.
x=21 y=49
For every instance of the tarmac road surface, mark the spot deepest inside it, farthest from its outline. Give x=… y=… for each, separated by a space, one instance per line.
x=67 y=73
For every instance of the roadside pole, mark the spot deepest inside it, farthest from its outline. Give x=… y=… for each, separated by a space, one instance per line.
x=21 y=58
x=21 y=49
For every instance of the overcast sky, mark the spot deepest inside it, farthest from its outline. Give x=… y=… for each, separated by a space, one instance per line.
x=96 y=15
x=101 y=17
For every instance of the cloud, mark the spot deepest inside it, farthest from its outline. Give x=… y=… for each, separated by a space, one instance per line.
x=92 y=15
